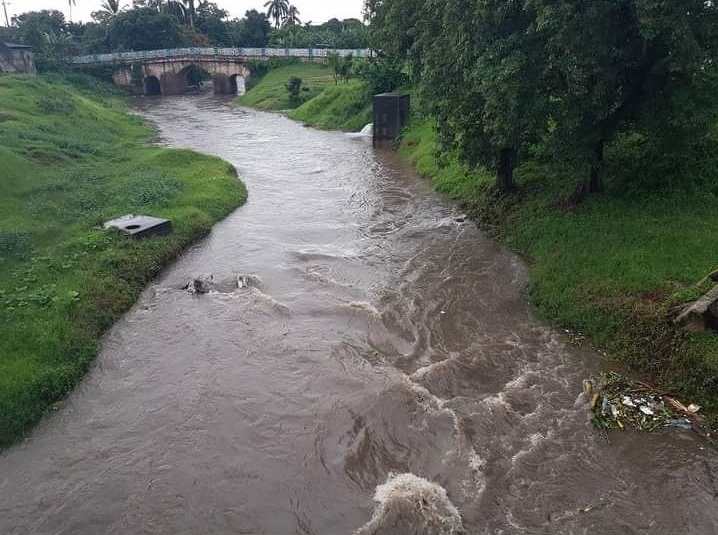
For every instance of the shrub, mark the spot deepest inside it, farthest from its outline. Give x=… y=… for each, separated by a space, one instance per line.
x=294 y=86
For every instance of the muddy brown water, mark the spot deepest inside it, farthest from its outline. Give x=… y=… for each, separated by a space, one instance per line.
x=383 y=335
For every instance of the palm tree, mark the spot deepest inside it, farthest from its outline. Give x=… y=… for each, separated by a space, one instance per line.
x=176 y=8
x=292 y=16
x=277 y=10
x=189 y=5
x=58 y=43
x=71 y=3
x=111 y=7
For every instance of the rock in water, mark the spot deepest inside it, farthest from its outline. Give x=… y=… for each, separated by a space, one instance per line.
x=223 y=285
x=248 y=281
x=701 y=315
x=198 y=286
x=410 y=505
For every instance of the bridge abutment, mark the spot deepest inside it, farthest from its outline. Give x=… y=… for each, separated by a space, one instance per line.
x=225 y=85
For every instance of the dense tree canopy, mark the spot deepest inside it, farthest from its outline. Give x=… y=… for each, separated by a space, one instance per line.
x=503 y=76
x=348 y=33
x=145 y=29
x=252 y=31
x=34 y=26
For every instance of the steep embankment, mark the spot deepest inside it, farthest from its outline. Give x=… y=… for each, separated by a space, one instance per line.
x=269 y=92
x=323 y=103
x=610 y=269
x=72 y=158
x=342 y=107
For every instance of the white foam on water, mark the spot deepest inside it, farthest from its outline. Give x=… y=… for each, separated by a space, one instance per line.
x=421 y=373
x=534 y=440
x=425 y=399
x=497 y=400
x=248 y=280
x=323 y=279
x=411 y=505
x=474 y=483
x=271 y=301
x=363 y=306
x=368 y=130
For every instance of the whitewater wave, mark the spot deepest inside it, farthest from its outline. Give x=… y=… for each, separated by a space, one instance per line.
x=411 y=505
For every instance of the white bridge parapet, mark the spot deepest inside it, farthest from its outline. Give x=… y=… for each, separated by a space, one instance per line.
x=216 y=52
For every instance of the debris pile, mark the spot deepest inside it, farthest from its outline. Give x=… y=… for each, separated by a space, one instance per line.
x=619 y=403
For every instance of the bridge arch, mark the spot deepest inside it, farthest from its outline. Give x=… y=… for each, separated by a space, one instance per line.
x=152 y=86
x=229 y=83
x=193 y=75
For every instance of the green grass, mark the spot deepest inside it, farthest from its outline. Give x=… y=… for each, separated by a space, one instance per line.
x=610 y=268
x=324 y=104
x=72 y=158
x=270 y=92
x=345 y=107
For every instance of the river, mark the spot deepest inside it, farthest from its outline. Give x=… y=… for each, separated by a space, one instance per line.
x=380 y=334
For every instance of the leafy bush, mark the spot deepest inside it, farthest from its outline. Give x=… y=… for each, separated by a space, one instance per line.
x=382 y=75
x=294 y=86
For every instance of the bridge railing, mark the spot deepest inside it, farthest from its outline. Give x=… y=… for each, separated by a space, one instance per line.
x=259 y=53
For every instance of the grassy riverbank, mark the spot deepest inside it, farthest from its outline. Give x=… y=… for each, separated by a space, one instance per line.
x=342 y=107
x=270 y=93
x=324 y=104
x=609 y=269
x=72 y=158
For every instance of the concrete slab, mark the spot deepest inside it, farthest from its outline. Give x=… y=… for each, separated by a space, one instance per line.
x=141 y=226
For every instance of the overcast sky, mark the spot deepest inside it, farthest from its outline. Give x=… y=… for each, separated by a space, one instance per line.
x=310 y=10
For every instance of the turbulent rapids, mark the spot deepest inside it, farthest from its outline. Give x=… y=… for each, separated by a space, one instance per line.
x=344 y=354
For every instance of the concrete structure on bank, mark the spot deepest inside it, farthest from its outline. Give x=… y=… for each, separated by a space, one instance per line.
x=165 y=72
x=16 y=59
x=391 y=112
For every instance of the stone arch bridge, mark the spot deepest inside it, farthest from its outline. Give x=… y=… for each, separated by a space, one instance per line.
x=165 y=72
x=169 y=76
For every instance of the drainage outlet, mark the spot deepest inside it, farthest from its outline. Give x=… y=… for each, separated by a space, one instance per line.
x=141 y=226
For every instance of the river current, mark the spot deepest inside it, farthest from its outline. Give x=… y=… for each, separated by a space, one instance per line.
x=378 y=371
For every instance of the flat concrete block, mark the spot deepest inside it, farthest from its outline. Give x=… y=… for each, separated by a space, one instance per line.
x=141 y=226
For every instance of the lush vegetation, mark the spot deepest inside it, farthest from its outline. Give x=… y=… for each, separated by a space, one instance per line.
x=606 y=112
x=158 y=24
x=338 y=93
x=74 y=158
x=322 y=101
x=344 y=107
x=269 y=91
x=504 y=77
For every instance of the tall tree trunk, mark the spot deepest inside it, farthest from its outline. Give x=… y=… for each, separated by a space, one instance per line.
x=505 y=170
x=594 y=182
